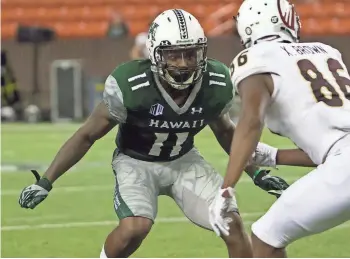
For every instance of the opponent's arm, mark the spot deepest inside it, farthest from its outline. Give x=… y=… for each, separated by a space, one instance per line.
x=255 y=96
x=294 y=157
x=96 y=126
x=223 y=129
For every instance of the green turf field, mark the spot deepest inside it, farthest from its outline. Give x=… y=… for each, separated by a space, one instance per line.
x=78 y=214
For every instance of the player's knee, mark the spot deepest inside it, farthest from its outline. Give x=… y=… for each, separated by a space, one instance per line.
x=237 y=232
x=258 y=245
x=263 y=250
x=135 y=228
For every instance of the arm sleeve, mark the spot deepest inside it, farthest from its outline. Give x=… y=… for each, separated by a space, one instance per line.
x=113 y=98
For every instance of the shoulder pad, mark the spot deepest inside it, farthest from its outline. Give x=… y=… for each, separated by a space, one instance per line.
x=255 y=60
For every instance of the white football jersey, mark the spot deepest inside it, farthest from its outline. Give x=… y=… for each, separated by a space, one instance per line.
x=311 y=99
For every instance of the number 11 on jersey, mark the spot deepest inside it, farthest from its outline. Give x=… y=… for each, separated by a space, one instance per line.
x=162 y=137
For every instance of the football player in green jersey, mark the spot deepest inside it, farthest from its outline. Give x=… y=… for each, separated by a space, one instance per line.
x=160 y=104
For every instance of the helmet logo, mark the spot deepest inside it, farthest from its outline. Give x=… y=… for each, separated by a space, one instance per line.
x=287 y=16
x=202 y=40
x=274 y=19
x=165 y=43
x=248 y=31
x=152 y=31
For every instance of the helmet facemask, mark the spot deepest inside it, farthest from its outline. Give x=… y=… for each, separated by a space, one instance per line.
x=181 y=66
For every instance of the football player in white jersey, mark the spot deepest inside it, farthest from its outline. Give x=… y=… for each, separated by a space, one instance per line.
x=300 y=91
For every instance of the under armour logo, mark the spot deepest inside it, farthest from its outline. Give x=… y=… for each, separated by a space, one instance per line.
x=156 y=109
x=194 y=110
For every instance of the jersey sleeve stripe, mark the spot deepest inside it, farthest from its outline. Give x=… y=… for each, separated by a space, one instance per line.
x=212 y=82
x=140 y=86
x=137 y=77
x=216 y=75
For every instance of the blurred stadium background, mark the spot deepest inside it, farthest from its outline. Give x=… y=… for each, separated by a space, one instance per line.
x=55 y=55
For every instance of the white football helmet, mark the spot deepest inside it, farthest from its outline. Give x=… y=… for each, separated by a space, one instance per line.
x=177 y=48
x=267 y=20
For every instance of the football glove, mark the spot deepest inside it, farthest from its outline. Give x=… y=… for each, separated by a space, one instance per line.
x=222 y=203
x=274 y=185
x=34 y=194
x=264 y=155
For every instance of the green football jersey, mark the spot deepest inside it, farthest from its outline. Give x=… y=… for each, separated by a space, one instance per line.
x=152 y=127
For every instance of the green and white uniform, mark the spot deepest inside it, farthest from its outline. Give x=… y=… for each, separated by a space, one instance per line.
x=155 y=153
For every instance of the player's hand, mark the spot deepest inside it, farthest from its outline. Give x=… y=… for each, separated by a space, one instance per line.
x=34 y=194
x=274 y=185
x=217 y=210
x=264 y=155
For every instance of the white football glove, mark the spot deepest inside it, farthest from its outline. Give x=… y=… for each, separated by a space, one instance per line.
x=223 y=202
x=264 y=155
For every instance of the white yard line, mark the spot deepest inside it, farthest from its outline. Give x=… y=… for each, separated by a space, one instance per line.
x=66 y=216
x=88 y=224
x=108 y=223
x=59 y=128
x=9 y=168
x=67 y=189
x=34 y=218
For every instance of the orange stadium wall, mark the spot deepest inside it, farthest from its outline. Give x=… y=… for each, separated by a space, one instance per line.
x=99 y=57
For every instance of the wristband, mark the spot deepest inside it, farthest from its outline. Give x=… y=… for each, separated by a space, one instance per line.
x=45 y=183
